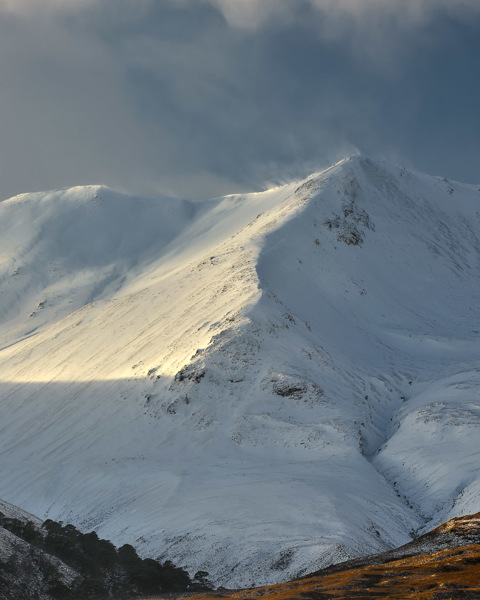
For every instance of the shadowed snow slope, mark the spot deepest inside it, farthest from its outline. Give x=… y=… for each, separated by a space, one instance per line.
x=257 y=385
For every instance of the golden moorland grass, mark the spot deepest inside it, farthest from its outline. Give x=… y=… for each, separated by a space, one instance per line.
x=443 y=564
x=448 y=574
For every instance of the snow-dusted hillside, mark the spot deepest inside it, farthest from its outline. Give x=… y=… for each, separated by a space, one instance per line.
x=256 y=385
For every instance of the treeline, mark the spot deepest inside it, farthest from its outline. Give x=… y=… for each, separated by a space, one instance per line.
x=104 y=570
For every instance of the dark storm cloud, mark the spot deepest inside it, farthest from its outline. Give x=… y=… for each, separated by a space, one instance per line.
x=212 y=96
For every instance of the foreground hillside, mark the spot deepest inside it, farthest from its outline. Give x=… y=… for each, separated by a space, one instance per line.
x=257 y=385
x=441 y=565
x=49 y=560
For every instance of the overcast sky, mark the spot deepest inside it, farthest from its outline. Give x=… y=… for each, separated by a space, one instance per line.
x=205 y=97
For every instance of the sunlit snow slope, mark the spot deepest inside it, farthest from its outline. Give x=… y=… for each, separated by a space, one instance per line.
x=256 y=385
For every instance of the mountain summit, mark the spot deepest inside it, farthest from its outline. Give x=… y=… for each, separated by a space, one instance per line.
x=257 y=385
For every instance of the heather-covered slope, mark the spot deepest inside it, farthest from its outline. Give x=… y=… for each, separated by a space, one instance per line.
x=262 y=384
x=441 y=565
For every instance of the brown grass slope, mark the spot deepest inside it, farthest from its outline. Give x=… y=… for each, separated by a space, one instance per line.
x=443 y=564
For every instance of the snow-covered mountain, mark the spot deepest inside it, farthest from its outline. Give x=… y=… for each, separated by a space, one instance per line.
x=256 y=385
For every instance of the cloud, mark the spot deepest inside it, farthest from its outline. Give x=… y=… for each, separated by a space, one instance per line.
x=383 y=33
x=253 y=13
x=27 y=7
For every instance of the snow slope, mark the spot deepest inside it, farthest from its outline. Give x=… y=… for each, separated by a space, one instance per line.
x=257 y=385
